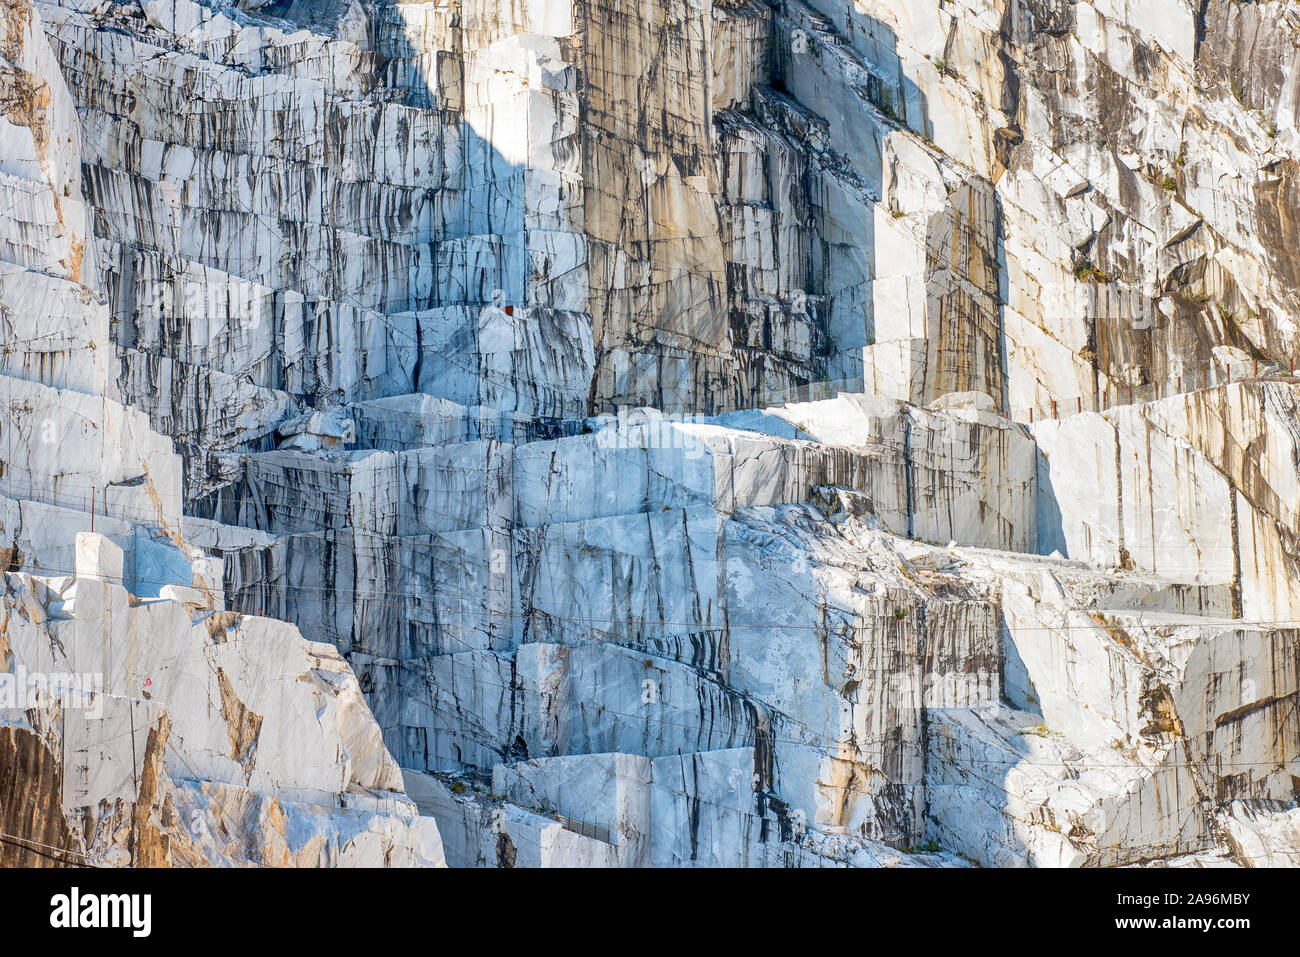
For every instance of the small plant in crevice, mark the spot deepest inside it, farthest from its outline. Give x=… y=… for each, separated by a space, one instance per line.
x=1086 y=272
x=943 y=67
x=929 y=847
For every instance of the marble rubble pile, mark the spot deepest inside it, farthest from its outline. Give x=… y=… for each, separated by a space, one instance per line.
x=632 y=426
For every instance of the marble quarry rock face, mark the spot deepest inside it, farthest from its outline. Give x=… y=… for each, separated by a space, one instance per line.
x=649 y=433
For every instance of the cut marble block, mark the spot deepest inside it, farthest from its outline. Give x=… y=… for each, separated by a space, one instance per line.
x=86 y=452
x=602 y=796
x=55 y=332
x=1185 y=487
x=98 y=559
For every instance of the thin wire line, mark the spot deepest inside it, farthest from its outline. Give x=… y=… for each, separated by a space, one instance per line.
x=88 y=860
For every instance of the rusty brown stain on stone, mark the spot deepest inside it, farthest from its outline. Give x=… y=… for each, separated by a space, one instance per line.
x=218 y=623
x=963 y=318
x=242 y=725
x=24 y=102
x=1277 y=200
x=11 y=559
x=278 y=824
x=76 y=256
x=17 y=17
x=1158 y=708
x=150 y=844
x=36 y=830
x=649 y=206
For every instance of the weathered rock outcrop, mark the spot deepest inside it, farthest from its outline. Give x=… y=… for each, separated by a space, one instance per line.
x=696 y=433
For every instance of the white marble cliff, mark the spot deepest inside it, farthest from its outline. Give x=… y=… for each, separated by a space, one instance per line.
x=650 y=433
